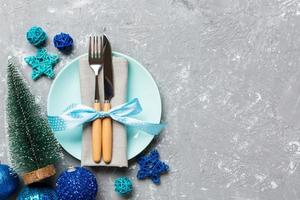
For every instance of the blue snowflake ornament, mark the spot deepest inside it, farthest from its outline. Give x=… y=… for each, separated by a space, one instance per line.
x=42 y=64
x=151 y=167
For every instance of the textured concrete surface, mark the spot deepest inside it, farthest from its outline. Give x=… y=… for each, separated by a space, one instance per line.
x=228 y=72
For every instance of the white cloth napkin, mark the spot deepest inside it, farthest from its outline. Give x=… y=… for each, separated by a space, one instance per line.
x=87 y=86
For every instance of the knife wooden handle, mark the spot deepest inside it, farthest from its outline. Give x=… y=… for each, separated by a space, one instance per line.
x=96 y=136
x=107 y=135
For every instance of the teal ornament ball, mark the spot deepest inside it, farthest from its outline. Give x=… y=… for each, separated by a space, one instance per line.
x=77 y=183
x=123 y=186
x=9 y=181
x=37 y=193
x=36 y=36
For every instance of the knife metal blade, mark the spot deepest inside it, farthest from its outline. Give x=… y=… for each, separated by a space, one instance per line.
x=108 y=71
x=107 y=132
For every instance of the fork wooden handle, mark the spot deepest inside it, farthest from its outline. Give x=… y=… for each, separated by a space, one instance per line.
x=96 y=136
x=107 y=135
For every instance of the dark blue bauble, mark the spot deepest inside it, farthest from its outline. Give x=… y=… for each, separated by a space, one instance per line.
x=63 y=41
x=37 y=193
x=77 y=183
x=9 y=182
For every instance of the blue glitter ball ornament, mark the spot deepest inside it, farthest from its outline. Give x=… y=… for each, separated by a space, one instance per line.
x=36 y=36
x=63 y=41
x=77 y=183
x=9 y=181
x=123 y=186
x=37 y=193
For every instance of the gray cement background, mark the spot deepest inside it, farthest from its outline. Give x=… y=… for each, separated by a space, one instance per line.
x=229 y=75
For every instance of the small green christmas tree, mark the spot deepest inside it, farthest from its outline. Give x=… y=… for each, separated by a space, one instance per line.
x=33 y=147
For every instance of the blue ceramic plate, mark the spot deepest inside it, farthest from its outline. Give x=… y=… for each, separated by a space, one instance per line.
x=65 y=90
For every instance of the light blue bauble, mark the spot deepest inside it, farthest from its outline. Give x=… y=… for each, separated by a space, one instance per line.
x=36 y=36
x=37 y=193
x=9 y=182
x=123 y=186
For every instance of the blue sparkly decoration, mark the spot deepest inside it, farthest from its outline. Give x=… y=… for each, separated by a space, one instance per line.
x=37 y=193
x=9 y=181
x=123 y=186
x=151 y=167
x=42 y=63
x=36 y=36
x=77 y=184
x=63 y=41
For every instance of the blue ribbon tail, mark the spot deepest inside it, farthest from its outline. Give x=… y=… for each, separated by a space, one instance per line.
x=150 y=128
x=56 y=123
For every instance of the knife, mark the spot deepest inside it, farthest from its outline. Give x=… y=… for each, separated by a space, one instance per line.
x=107 y=135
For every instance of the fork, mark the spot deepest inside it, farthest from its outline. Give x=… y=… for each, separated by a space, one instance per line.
x=96 y=62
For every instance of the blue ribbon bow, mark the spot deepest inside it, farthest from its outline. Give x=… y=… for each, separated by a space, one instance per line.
x=77 y=114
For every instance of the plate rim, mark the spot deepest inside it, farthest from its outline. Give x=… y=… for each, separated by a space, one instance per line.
x=116 y=54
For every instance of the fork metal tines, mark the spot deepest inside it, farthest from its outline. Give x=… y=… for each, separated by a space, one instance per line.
x=96 y=50
x=96 y=59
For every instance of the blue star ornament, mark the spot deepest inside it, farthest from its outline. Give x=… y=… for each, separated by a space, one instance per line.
x=42 y=64
x=151 y=167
